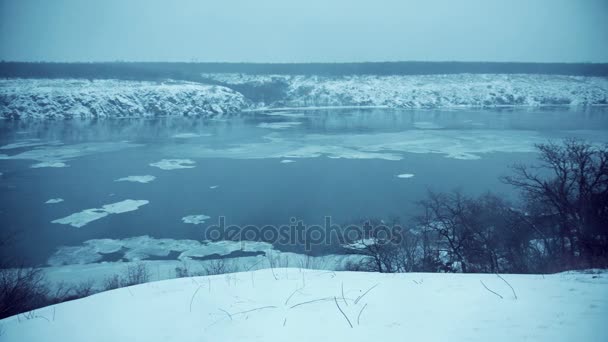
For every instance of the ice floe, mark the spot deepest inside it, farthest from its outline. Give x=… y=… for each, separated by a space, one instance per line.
x=144 y=247
x=48 y=164
x=58 y=155
x=54 y=200
x=195 y=219
x=214 y=187
x=173 y=164
x=405 y=175
x=86 y=216
x=137 y=179
x=287 y=161
x=279 y=125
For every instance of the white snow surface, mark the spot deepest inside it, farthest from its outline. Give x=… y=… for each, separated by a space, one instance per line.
x=137 y=179
x=82 y=218
x=67 y=98
x=428 y=91
x=292 y=304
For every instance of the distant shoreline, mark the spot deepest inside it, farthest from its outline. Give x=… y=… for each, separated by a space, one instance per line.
x=191 y=71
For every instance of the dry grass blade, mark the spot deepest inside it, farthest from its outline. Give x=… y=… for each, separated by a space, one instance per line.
x=363 y=295
x=506 y=282
x=343 y=314
x=484 y=285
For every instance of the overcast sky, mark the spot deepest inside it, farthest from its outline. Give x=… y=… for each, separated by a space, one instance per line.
x=304 y=30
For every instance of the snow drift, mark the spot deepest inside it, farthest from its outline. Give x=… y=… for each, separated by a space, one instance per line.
x=67 y=98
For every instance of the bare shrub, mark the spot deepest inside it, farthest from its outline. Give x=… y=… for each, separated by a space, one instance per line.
x=136 y=274
x=112 y=282
x=21 y=289
x=64 y=292
x=218 y=266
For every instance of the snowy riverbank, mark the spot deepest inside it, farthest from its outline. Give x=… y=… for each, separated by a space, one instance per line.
x=223 y=94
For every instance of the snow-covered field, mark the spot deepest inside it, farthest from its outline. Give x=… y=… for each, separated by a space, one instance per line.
x=66 y=98
x=292 y=304
x=428 y=91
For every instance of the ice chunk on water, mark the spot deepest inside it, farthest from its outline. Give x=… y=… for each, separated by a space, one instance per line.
x=82 y=218
x=137 y=179
x=195 y=219
x=124 y=206
x=54 y=200
x=287 y=161
x=173 y=164
x=405 y=175
x=49 y=164
x=87 y=216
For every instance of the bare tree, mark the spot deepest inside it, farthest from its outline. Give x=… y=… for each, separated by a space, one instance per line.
x=570 y=188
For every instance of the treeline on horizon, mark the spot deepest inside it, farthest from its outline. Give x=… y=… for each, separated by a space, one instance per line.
x=192 y=71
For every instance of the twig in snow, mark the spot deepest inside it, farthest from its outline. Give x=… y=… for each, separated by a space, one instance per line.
x=363 y=295
x=360 y=312
x=291 y=295
x=311 y=301
x=343 y=314
x=506 y=282
x=254 y=265
x=344 y=299
x=194 y=294
x=256 y=309
x=484 y=285
x=54 y=313
x=285 y=321
x=227 y=313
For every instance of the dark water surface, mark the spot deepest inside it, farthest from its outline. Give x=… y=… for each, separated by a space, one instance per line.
x=345 y=166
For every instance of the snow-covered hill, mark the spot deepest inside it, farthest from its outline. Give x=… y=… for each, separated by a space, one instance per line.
x=291 y=304
x=233 y=93
x=58 y=98
x=424 y=91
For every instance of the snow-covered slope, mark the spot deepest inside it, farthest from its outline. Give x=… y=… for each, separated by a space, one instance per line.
x=113 y=98
x=426 y=91
x=304 y=305
x=52 y=98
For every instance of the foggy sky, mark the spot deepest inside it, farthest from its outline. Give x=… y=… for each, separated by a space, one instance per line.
x=304 y=30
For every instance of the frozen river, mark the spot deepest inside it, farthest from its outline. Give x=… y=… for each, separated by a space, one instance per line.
x=65 y=182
